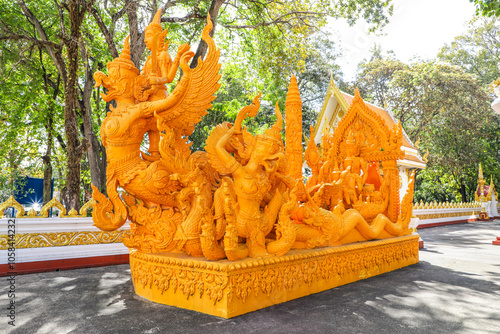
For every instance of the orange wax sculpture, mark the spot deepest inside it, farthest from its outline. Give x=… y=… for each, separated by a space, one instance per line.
x=244 y=196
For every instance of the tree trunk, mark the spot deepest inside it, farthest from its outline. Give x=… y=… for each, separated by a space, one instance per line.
x=203 y=47
x=137 y=44
x=74 y=148
x=463 y=193
x=47 y=173
x=88 y=132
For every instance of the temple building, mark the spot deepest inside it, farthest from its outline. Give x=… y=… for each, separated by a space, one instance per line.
x=335 y=105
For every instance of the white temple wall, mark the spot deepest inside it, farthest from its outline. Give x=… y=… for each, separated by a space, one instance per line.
x=42 y=244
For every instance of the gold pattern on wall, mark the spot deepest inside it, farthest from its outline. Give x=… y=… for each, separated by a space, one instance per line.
x=36 y=240
x=449 y=214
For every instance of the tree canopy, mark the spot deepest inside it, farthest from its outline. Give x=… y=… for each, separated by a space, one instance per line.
x=444 y=104
x=487 y=7
x=51 y=113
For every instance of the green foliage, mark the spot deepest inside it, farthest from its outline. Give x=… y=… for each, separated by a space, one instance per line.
x=375 y=76
x=262 y=43
x=445 y=107
x=432 y=184
x=487 y=7
x=25 y=105
x=478 y=50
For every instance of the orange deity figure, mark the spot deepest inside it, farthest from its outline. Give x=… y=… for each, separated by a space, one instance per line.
x=313 y=160
x=123 y=130
x=156 y=72
x=252 y=180
x=358 y=171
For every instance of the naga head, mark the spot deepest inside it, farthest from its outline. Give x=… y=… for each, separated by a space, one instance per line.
x=120 y=80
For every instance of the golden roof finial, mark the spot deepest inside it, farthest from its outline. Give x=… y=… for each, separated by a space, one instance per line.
x=480 y=172
x=357 y=96
x=425 y=157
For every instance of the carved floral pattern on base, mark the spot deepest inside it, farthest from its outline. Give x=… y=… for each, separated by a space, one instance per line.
x=195 y=278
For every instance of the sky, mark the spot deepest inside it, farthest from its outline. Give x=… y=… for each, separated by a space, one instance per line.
x=417 y=28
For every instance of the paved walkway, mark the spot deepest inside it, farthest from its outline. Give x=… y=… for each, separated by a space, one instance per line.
x=454 y=289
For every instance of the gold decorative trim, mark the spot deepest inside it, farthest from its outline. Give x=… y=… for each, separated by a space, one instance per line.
x=72 y=213
x=335 y=117
x=335 y=91
x=31 y=214
x=86 y=206
x=447 y=215
x=11 y=202
x=44 y=212
x=446 y=205
x=323 y=108
x=37 y=240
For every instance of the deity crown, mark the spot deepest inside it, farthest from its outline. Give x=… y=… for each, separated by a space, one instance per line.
x=272 y=135
x=124 y=61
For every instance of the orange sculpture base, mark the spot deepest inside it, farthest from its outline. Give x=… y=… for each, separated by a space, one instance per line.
x=228 y=289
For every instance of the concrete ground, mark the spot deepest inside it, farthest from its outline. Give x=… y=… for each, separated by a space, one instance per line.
x=454 y=289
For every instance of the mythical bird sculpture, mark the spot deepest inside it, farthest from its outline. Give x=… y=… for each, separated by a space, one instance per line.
x=159 y=179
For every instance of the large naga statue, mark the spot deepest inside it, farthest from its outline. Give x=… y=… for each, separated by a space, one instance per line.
x=236 y=199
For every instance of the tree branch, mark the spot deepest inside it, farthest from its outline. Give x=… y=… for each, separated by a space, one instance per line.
x=279 y=20
x=55 y=55
x=61 y=141
x=64 y=32
x=107 y=34
x=213 y=11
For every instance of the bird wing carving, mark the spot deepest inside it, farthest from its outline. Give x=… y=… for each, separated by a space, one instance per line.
x=212 y=140
x=200 y=86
